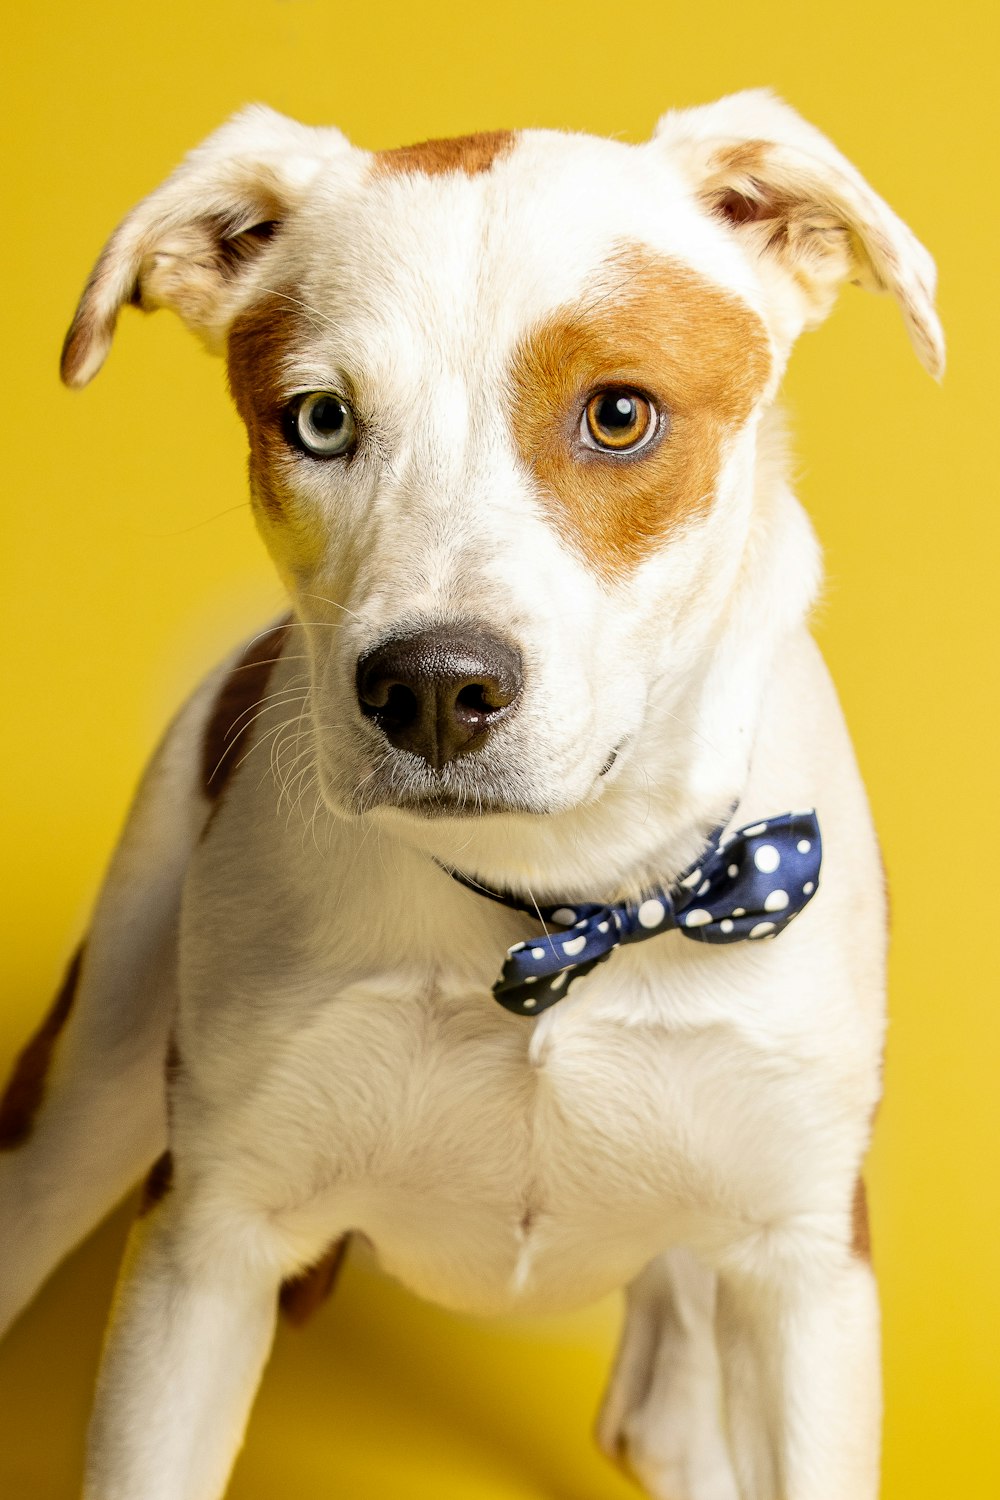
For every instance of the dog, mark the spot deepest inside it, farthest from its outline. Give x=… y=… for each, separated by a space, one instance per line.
x=545 y=689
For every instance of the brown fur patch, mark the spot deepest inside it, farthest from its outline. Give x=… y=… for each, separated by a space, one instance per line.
x=229 y=729
x=158 y=1183
x=301 y=1296
x=262 y=342
x=655 y=325
x=23 y=1095
x=259 y=341
x=861 y=1241
x=470 y=154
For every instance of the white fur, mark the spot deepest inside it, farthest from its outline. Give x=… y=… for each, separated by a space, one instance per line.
x=690 y=1120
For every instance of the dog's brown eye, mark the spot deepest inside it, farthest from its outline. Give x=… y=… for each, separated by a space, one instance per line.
x=321 y=424
x=618 y=421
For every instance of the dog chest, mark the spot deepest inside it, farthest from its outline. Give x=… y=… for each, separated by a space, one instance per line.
x=489 y=1172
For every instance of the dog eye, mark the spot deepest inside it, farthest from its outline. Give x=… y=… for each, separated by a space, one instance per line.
x=321 y=424
x=618 y=420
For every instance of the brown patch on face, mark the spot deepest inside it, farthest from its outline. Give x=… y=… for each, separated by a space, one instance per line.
x=861 y=1242
x=655 y=326
x=301 y=1296
x=23 y=1095
x=158 y=1183
x=470 y=154
x=259 y=342
x=228 y=733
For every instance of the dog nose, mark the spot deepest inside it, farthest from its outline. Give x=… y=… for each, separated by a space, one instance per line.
x=439 y=692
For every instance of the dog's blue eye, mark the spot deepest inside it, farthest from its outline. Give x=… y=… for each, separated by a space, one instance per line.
x=321 y=424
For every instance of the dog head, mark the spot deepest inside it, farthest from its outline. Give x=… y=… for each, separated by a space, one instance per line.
x=504 y=397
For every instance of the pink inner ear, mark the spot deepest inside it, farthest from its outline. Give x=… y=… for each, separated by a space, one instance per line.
x=737 y=208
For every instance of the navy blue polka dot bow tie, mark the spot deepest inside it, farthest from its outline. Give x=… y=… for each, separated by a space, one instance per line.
x=749 y=884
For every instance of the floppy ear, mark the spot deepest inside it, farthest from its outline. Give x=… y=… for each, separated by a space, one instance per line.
x=803 y=211
x=190 y=245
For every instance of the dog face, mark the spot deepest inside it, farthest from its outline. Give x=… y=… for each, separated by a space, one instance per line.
x=504 y=399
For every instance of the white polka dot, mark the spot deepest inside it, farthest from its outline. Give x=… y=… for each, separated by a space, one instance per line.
x=757 y=828
x=733 y=871
x=574 y=946
x=538 y=952
x=651 y=913
x=697 y=918
x=776 y=901
x=516 y=948
x=739 y=911
x=808 y=888
x=530 y=979
x=558 y=982
x=690 y=881
x=565 y=915
x=766 y=858
x=603 y=926
x=761 y=929
x=528 y=1004
x=704 y=887
x=726 y=925
x=803 y=846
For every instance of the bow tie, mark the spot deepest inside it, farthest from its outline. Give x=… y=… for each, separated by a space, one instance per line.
x=747 y=885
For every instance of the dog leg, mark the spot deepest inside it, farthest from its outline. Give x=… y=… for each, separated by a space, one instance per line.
x=798 y=1327
x=190 y=1332
x=662 y=1413
x=84 y=1113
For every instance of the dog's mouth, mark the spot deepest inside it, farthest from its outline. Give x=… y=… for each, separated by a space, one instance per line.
x=465 y=788
x=447 y=804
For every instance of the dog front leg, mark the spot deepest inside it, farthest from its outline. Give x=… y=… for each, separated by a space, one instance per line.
x=798 y=1328
x=191 y=1329
x=662 y=1413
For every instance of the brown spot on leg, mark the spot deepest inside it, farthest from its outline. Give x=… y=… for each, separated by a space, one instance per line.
x=301 y=1296
x=158 y=1183
x=23 y=1095
x=655 y=326
x=470 y=154
x=861 y=1243
x=227 y=731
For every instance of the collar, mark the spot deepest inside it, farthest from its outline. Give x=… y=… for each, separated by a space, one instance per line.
x=747 y=885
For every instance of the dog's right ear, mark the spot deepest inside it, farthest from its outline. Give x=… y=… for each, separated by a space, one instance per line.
x=191 y=244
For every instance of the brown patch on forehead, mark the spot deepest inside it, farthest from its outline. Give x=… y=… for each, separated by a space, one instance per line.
x=23 y=1095
x=470 y=154
x=657 y=326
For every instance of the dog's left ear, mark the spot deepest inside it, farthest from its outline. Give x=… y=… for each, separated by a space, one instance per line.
x=804 y=213
x=192 y=244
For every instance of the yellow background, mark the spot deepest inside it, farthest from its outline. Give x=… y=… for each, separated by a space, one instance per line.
x=130 y=561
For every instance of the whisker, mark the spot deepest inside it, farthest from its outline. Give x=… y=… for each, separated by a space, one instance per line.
x=313 y=312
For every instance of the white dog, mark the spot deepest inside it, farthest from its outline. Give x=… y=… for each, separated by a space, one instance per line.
x=514 y=451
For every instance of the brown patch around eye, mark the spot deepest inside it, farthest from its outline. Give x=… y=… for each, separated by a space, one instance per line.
x=470 y=154
x=652 y=325
x=259 y=342
x=229 y=730
x=24 y=1093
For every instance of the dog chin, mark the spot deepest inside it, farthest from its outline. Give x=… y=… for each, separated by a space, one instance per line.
x=407 y=786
